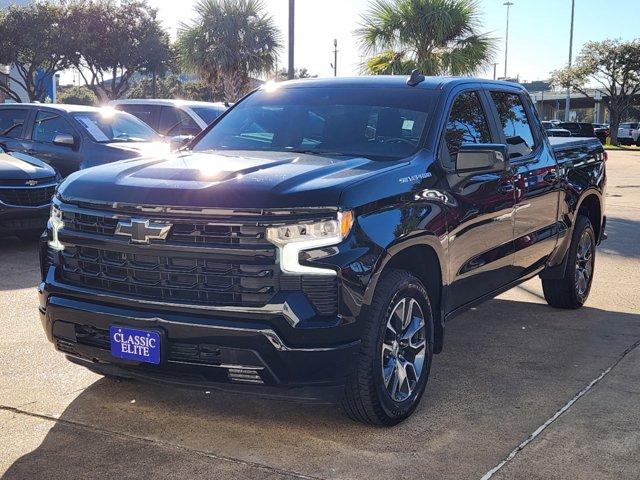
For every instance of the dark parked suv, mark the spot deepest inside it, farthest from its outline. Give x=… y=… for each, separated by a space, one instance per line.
x=26 y=189
x=71 y=137
x=314 y=239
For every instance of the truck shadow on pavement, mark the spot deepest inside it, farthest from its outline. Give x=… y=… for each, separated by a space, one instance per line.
x=623 y=237
x=18 y=263
x=506 y=368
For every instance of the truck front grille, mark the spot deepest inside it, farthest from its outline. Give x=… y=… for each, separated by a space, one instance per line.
x=171 y=278
x=27 y=196
x=183 y=232
x=220 y=261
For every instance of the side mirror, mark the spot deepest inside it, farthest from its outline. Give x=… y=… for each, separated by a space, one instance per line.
x=482 y=158
x=180 y=141
x=64 y=140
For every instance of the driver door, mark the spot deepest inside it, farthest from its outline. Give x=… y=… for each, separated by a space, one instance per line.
x=65 y=159
x=481 y=247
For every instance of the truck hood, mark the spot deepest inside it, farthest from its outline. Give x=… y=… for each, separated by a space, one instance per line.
x=18 y=166
x=222 y=179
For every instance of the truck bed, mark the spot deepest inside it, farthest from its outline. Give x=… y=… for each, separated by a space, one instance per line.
x=564 y=143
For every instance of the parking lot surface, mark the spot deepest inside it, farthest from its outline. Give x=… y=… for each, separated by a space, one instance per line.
x=521 y=391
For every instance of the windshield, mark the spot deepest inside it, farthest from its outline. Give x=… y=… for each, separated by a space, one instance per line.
x=377 y=123
x=105 y=127
x=208 y=114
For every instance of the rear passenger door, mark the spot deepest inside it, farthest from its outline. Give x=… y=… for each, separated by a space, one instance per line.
x=481 y=222
x=536 y=181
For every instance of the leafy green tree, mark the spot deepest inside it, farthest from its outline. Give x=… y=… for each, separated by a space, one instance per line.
x=438 y=37
x=228 y=42
x=613 y=68
x=169 y=87
x=77 y=96
x=116 y=40
x=298 y=73
x=35 y=39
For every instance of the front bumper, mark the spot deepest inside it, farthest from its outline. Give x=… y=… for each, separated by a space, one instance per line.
x=15 y=219
x=259 y=353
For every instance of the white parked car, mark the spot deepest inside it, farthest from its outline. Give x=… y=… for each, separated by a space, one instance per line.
x=172 y=118
x=629 y=133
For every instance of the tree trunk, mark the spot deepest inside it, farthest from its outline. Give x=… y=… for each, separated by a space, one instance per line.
x=614 y=123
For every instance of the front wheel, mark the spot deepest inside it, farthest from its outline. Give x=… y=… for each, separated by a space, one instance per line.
x=572 y=290
x=392 y=369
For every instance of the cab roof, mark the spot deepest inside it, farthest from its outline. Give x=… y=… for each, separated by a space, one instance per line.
x=392 y=81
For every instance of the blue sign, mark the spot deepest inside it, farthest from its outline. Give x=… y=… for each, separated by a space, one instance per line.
x=134 y=344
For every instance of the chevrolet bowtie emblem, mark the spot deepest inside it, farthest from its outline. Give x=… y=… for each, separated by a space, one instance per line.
x=31 y=183
x=143 y=231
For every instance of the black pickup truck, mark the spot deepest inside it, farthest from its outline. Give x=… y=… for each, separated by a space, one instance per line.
x=313 y=240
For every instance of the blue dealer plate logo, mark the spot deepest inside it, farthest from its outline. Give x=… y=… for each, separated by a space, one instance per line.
x=134 y=344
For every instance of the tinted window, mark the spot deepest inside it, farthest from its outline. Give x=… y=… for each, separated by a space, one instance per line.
x=174 y=121
x=11 y=122
x=107 y=127
x=380 y=123
x=467 y=123
x=515 y=123
x=147 y=113
x=208 y=114
x=48 y=125
x=628 y=125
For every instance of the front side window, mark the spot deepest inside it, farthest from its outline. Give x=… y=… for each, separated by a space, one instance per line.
x=174 y=122
x=49 y=125
x=208 y=114
x=147 y=113
x=467 y=123
x=514 y=123
x=377 y=123
x=111 y=126
x=11 y=122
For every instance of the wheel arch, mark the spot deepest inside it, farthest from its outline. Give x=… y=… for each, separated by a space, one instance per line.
x=423 y=257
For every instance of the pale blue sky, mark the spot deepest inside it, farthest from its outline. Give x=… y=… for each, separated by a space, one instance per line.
x=538 y=41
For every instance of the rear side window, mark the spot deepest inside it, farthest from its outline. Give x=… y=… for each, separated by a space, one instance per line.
x=174 y=121
x=514 y=123
x=48 y=125
x=12 y=122
x=467 y=123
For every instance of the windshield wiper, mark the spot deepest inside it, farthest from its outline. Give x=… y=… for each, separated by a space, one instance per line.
x=323 y=152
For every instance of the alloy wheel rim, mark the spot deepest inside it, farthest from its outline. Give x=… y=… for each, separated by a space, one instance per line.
x=403 y=349
x=584 y=264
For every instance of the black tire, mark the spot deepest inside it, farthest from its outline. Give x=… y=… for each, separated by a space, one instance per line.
x=367 y=399
x=568 y=291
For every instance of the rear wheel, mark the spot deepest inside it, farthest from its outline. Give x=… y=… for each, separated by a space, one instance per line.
x=392 y=369
x=572 y=290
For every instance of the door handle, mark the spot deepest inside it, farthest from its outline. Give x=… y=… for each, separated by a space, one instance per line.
x=551 y=177
x=506 y=188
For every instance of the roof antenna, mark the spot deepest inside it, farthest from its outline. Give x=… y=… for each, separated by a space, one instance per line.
x=415 y=78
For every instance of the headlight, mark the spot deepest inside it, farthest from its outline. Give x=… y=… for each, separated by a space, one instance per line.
x=292 y=239
x=55 y=224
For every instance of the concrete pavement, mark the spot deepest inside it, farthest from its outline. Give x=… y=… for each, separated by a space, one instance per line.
x=508 y=366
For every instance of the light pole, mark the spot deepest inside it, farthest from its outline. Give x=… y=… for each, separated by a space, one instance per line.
x=292 y=7
x=334 y=65
x=506 y=40
x=495 y=65
x=567 y=104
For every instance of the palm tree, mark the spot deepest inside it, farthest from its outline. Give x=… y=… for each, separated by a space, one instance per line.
x=438 y=37
x=230 y=41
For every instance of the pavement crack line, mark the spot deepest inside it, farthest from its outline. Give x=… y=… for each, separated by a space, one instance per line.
x=558 y=413
x=160 y=443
